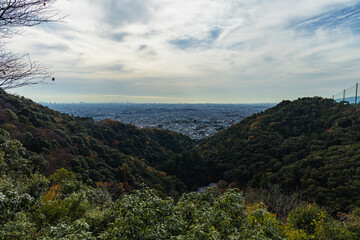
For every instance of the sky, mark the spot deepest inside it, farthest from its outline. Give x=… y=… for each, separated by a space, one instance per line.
x=195 y=51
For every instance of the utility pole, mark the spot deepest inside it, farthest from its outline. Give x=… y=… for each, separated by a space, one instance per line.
x=356 y=92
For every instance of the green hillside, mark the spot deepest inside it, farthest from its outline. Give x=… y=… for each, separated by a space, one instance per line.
x=311 y=145
x=106 y=151
x=64 y=177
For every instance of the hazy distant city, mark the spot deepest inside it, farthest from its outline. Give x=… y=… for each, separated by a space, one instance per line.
x=194 y=120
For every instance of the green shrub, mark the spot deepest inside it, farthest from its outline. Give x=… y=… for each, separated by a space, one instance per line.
x=23 y=119
x=4 y=135
x=78 y=229
x=16 y=195
x=325 y=230
x=55 y=211
x=62 y=175
x=356 y=212
x=12 y=158
x=304 y=217
x=20 y=228
x=12 y=116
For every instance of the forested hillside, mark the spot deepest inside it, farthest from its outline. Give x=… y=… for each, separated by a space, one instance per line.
x=106 y=151
x=64 y=177
x=311 y=146
x=308 y=146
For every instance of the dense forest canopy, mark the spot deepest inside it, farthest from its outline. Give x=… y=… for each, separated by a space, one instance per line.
x=62 y=207
x=310 y=145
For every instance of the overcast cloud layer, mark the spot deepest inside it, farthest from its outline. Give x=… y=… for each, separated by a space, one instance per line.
x=224 y=51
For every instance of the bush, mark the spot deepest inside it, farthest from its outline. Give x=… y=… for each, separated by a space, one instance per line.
x=62 y=175
x=4 y=135
x=12 y=116
x=73 y=231
x=325 y=230
x=304 y=217
x=56 y=211
x=210 y=215
x=23 y=119
x=20 y=228
x=18 y=194
x=12 y=158
x=356 y=212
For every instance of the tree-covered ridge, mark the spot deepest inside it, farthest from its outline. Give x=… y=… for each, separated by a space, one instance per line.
x=106 y=151
x=310 y=145
x=154 y=145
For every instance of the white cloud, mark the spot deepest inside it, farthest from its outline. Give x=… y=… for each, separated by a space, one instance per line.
x=204 y=50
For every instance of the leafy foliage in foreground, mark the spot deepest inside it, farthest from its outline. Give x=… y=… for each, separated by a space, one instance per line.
x=310 y=145
x=90 y=213
x=62 y=207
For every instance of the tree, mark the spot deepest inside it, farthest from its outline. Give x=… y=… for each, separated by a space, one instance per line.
x=17 y=70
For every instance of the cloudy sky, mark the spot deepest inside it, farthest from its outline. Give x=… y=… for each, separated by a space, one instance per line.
x=218 y=51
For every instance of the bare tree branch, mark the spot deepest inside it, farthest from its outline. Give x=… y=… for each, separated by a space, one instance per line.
x=18 y=70
x=20 y=13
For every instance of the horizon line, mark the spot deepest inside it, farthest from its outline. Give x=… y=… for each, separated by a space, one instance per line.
x=81 y=102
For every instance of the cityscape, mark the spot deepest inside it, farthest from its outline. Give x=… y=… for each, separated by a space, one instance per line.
x=197 y=121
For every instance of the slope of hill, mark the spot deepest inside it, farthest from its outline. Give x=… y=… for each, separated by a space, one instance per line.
x=310 y=145
x=64 y=206
x=97 y=151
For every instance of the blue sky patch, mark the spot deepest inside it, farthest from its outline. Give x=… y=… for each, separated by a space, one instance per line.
x=348 y=17
x=214 y=34
x=186 y=43
x=190 y=42
x=118 y=37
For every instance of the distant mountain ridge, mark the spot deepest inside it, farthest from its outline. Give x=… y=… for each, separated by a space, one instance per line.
x=311 y=145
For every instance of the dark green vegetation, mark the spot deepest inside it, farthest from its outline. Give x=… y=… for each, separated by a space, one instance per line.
x=105 y=151
x=311 y=146
x=61 y=207
x=64 y=177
